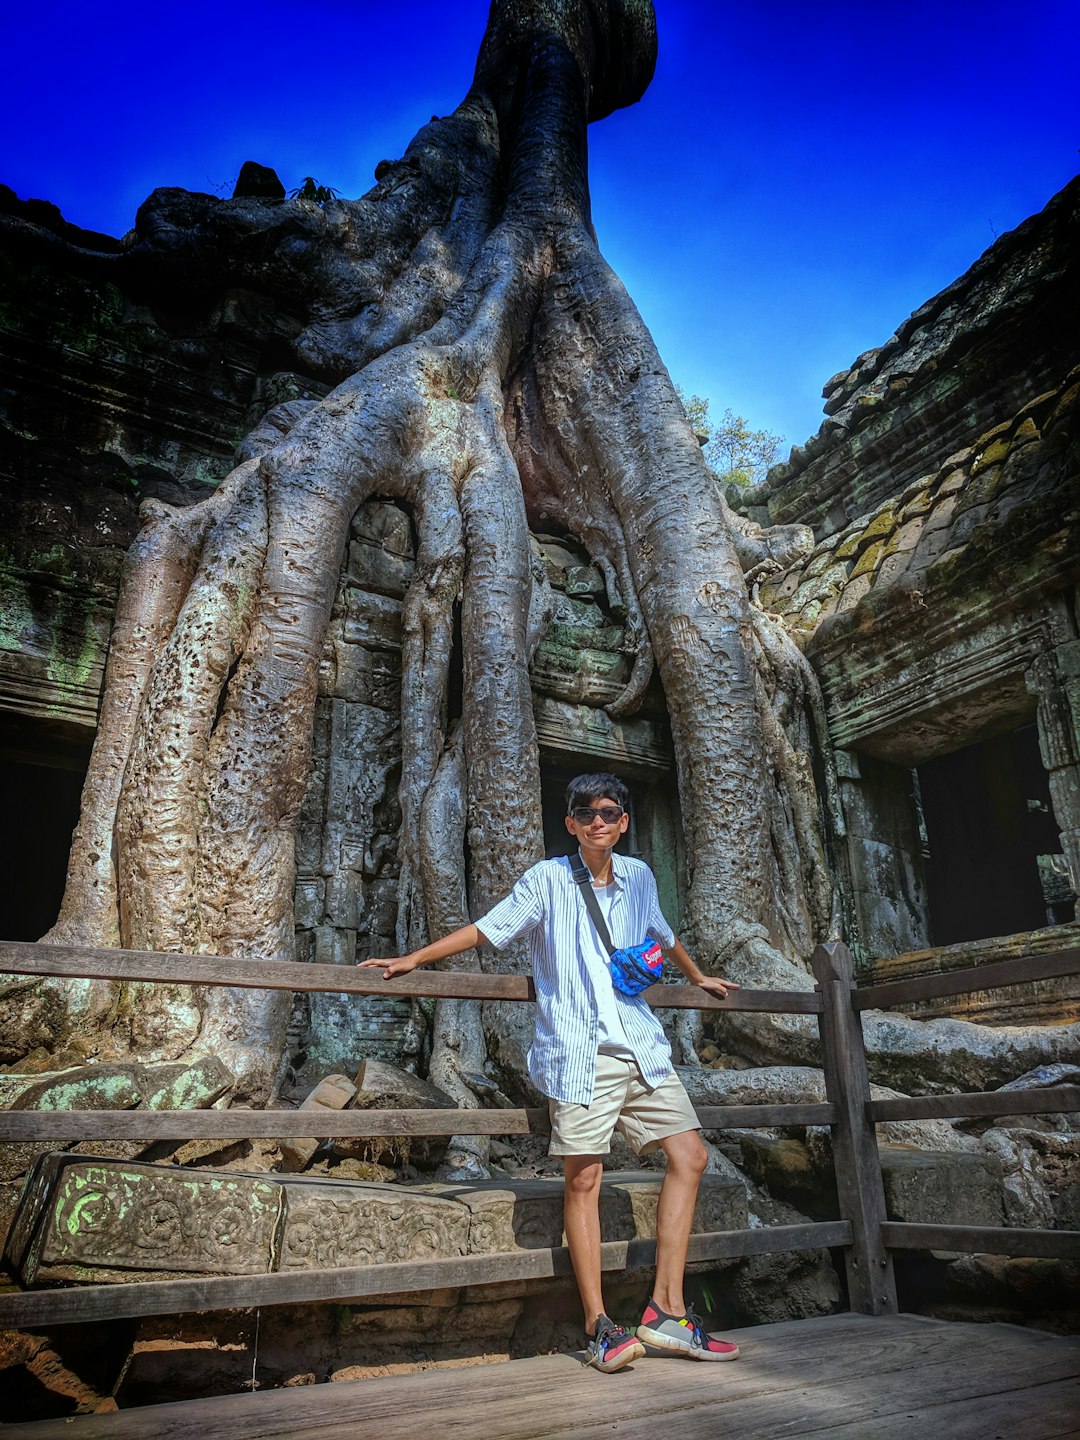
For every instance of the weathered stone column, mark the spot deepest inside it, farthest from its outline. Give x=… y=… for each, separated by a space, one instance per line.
x=1054 y=678
x=887 y=908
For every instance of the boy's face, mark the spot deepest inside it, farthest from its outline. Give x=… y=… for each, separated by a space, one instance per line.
x=599 y=831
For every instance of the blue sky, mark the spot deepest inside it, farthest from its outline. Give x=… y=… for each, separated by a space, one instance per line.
x=797 y=180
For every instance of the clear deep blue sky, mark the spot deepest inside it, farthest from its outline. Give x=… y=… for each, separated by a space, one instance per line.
x=798 y=178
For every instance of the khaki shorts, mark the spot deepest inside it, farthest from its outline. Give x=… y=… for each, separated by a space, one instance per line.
x=621 y=1101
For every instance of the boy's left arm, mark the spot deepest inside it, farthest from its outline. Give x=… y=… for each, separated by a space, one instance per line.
x=696 y=976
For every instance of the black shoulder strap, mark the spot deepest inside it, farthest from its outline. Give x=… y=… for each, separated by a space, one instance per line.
x=581 y=874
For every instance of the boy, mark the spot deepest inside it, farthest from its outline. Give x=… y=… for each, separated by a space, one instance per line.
x=603 y=1060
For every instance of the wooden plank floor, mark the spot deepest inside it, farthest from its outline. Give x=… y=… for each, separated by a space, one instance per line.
x=844 y=1377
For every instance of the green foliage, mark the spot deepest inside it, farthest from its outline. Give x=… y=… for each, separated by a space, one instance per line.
x=736 y=455
x=309 y=190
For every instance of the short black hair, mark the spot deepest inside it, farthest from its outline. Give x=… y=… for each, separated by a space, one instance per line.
x=584 y=789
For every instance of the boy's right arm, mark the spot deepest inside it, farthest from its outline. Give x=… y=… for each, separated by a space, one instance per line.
x=467 y=938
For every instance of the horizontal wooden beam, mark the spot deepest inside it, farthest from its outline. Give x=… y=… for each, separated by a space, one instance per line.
x=962 y=982
x=78 y=1125
x=983 y=1240
x=75 y=961
x=1053 y=1100
x=19 y=957
x=768 y=1002
x=69 y=1126
x=761 y=1117
x=91 y=1303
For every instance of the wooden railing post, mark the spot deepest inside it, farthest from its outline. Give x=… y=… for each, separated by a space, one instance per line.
x=871 y=1282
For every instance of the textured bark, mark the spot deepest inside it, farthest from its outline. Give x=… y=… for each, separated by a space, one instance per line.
x=491 y=373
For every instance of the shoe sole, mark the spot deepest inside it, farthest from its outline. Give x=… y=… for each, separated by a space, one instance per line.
x=671 y=1346
x=624 y=1357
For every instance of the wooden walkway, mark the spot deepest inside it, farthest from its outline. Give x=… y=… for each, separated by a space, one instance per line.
x=844 y=1377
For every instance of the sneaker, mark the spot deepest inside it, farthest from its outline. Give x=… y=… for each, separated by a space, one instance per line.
x=612 y=1347
x=682 y=1335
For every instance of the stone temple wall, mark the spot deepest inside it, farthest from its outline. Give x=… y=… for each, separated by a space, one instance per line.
x=939 y=604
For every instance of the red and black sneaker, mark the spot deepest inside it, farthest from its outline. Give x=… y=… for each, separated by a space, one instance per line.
x=682 y=1335
x=612 y=1347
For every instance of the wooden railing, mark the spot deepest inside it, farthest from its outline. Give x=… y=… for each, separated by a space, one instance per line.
x=1057 y=1099
x=865 y=1233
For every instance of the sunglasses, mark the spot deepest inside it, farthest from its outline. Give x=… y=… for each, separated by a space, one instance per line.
x=585 y=814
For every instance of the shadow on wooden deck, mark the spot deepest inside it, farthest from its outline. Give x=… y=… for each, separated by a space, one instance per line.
x=846 y=1377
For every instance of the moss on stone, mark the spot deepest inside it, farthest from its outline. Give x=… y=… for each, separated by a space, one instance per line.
x=867 y=561
x=994 y=454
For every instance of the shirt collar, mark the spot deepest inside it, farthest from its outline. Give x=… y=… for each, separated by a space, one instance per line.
x=619 y=868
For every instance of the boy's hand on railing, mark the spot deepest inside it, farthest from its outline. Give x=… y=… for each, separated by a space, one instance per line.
x=401 y=966
x=716 y=986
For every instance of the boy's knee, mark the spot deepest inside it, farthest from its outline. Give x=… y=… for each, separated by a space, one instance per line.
x=583 y=1180
x=688 y=1153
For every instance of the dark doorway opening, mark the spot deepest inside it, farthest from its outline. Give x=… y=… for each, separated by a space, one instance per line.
x=41 y=808
x=988 y=821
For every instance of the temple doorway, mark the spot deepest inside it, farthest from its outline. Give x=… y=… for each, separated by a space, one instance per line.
x=991 y=840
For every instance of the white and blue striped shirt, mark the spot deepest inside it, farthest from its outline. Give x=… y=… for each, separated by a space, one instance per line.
x=546 y=904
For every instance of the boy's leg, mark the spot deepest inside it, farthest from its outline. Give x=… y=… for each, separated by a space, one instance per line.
x=664 y=1117
x=580 y=1137
x=581 y=1217
x=610 y=1346
x=686 y=1161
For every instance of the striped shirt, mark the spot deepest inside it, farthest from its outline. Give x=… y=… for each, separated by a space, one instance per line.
x=546 y=905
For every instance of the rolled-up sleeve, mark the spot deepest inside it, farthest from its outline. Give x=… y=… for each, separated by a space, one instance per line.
x=519 y=913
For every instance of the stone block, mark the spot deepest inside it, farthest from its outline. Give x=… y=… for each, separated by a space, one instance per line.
x=933 y=543
x=343 y=901
x=628 y=1202
x=931 y=1187
x=87 y=1220
x=83 y=1087
x=334 y=946
x=788 y=1170
x=309 y=898
x=369 y=677
x=918 y=504
x=184 y=1087
x=380 y=905
x=371 y=620
x=331 y=1222
x=331 y=1093
x=581 y=677
x=609 y=638
x=528 y=1214
x=891 y=569
x=868 y=559
x=853 y=592
x=381 y=1086
x=372 y=568
x=342 y=1029
x=631 y=741
x=583 y=580
x=502 y=1215
x=378 y=522
x=941 y=516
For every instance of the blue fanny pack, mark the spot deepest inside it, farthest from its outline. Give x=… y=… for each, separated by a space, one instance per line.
x=633 y=969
